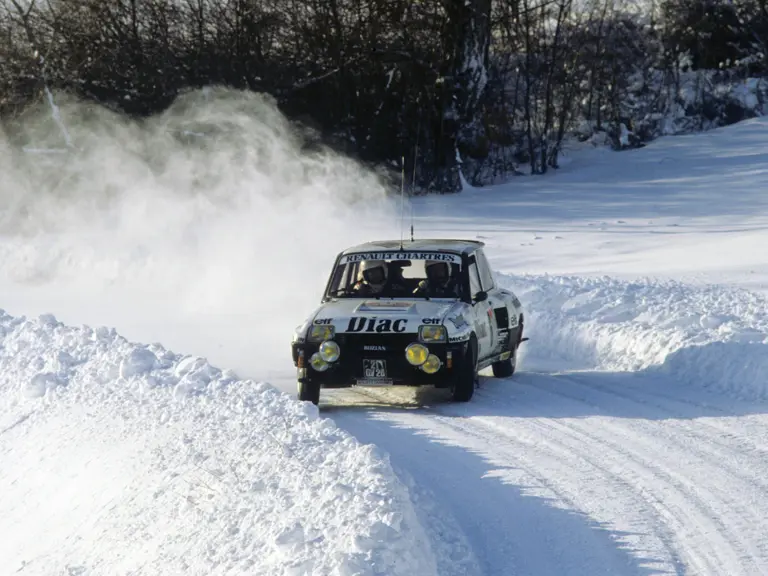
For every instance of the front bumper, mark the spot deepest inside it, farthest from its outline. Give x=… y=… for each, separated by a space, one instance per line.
x=366 y=351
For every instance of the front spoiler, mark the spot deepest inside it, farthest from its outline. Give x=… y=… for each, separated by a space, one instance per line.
x=348 y=371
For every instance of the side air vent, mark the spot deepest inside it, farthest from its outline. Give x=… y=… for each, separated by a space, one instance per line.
x=502 y=317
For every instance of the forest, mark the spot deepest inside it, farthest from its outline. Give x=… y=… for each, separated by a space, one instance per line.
x=492 y=86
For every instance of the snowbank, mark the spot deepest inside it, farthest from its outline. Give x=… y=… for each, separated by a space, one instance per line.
x=713 y=336
x=122 y=458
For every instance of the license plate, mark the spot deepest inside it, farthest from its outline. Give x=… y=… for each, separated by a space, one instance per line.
x=374 y=382
x=374 y=369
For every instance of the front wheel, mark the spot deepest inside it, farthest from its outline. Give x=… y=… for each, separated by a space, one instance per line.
x=309 y=392
x=464 y=386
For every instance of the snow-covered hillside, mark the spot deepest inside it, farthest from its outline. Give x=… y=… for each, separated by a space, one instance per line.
x=120 y=458
x=690 y=208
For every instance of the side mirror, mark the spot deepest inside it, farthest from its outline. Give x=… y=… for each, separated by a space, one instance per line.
x=481 y=296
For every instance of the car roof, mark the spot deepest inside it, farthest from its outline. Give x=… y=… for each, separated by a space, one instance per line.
x=425 y=245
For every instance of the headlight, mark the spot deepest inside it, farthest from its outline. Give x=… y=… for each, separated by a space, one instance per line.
x=432 y=364
x=318 y=333
x=431 y=333
x=416 y=354
x=329 y=351
x=318 y=363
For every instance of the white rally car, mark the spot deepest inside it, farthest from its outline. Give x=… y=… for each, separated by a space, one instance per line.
x=424 y=312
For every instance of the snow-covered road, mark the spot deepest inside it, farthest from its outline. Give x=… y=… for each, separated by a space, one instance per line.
x=583 y=473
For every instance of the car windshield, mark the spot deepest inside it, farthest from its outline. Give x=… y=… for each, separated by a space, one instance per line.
x=397 y=275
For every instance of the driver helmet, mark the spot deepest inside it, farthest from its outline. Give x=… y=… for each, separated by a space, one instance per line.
x=374 y=272
x=438 y=272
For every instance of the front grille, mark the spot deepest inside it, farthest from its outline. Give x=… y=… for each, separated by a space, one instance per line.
x=355 y=348
x=360 y=347
x=363 y=343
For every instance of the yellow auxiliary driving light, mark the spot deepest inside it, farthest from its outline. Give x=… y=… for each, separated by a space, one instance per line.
x=318 y=363
x=321 y=332
x=329 y=351
x=432 y=333
x=432 y=364
x=416 y=354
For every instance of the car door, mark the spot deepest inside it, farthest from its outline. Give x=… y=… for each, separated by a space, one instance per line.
x=496 y=302
x=482 y=313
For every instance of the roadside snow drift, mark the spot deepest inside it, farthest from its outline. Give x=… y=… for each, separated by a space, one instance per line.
x=120 y=458
x=711 y=336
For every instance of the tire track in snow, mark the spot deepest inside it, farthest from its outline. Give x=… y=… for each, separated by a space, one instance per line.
x=751 y=424
x=650 y=484
x=683 y=490
x=564 y=460
x=722 y=445
x=709 y=492
x=507 y=511
x=733 y=455
x=554 y=460
x=537 y=477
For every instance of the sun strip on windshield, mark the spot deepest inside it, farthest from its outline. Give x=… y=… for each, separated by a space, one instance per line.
x=439 y=256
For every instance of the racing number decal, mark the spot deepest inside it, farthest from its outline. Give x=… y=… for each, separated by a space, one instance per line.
x=482 y=330
x=486 y=330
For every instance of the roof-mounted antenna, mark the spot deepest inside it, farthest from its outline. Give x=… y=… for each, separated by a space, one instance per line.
x=413 y=178
x=402 y=197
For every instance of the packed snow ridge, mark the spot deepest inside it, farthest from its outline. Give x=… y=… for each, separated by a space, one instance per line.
x=123 y=458
x=709 y=335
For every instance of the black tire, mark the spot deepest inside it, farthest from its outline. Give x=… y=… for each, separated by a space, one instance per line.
x=506 y=368
x=309 y=392
x=464 y=386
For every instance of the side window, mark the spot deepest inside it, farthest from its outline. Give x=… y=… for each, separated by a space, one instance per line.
x=337 y=277
x=486 y=276
x=474 y=280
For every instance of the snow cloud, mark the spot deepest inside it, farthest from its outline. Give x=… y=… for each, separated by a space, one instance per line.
x=211 y=227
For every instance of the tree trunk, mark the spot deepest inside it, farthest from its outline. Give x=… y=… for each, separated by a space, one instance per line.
x=467 y=42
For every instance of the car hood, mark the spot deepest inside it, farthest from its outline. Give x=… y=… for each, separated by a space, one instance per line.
x=382 y=316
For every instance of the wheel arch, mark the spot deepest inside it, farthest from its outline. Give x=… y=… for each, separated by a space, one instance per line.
x=473 y=346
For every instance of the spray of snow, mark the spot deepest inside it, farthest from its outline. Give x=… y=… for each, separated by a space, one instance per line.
x=210 y=227
x=125 y=458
